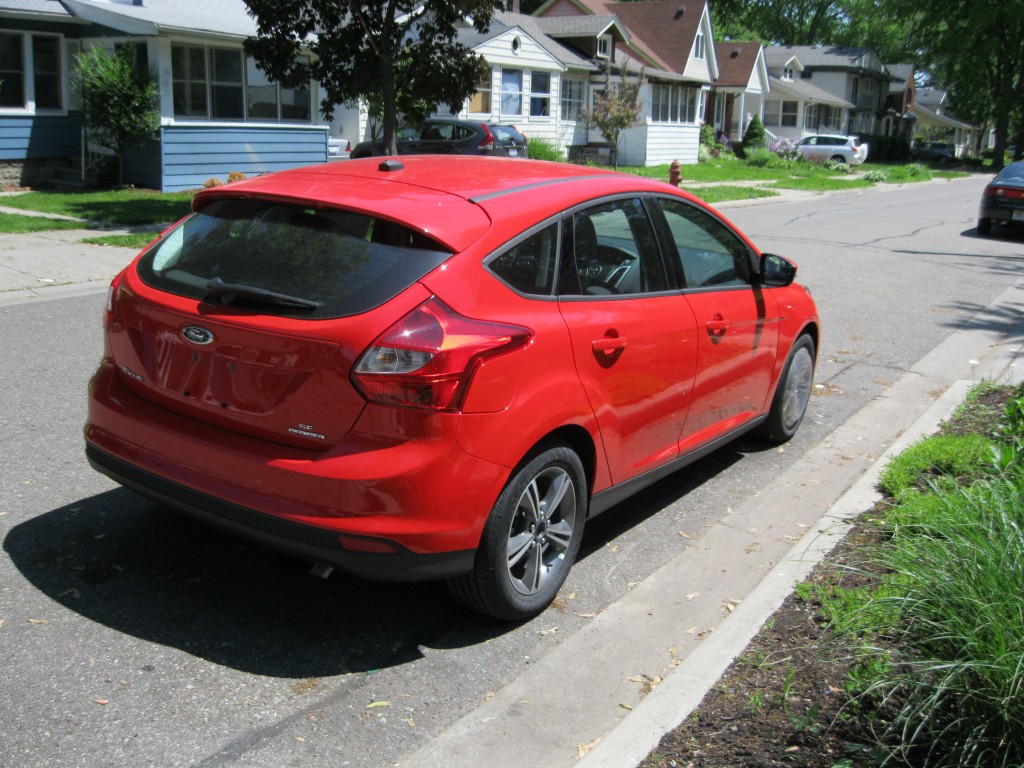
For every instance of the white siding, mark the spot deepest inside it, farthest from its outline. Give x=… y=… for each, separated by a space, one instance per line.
x=666 y=143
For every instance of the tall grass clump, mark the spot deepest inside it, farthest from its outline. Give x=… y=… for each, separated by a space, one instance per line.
x=956 y=645
x=542 y=149
x=947 y=617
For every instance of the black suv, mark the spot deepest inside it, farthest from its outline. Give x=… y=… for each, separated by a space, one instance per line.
x=448 y=136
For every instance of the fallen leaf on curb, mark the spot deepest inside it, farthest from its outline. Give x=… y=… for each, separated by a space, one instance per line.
x=685 y=535
x=377 y=704
x=587 y=615
x=692 y=595
x=692 y=630
x=626 y=706
x=546 y=632
x=489 y=695
x=37 y=621
x=582 y=749
x=101 y=702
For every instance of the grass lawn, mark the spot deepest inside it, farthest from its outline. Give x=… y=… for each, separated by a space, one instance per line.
x=16 y=224
x=138 y=240
x=127 y=207
x=723 y=194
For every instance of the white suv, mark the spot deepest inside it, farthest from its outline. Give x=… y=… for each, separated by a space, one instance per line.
x=840 y=149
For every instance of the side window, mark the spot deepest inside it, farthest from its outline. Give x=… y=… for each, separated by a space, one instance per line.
x=710 y=254
x=529 y=266
x=611 y=249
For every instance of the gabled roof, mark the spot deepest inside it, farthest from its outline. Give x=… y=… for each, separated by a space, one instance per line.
x=934 y=118
x=901 y=74
x=932 y=97
x=226 y=18
x=737 y=63
x=834 y=57
x=801 y=90
x=535 y=28
x=661 y=32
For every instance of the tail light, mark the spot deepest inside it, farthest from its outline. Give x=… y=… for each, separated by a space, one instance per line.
x=428 y=358
x=112 y=290
x=1015 y=194
x=487 y=143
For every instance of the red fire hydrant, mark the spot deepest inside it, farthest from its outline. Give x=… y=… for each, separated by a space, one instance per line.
x=674 y=177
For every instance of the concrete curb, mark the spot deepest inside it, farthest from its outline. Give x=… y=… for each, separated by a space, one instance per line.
x=668 y=705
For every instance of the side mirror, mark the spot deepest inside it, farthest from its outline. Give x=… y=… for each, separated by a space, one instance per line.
x=776 y=271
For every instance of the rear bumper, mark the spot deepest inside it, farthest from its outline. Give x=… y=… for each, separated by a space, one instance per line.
x=316 y=545
x=419 y=493
x=999 y=211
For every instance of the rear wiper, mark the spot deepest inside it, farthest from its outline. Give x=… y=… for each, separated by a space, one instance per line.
x=228 y=292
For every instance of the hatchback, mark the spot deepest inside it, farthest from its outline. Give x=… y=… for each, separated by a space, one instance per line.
x=1002 y=201
x=441 y=368
x=836 y=149
x=441 y=136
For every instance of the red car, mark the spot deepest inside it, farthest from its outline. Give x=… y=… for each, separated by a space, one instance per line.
x=441 y=367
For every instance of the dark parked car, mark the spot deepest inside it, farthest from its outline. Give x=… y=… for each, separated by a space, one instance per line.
x=933 y=151
x=441 y=367
x=441 y=136
x=1002 y=202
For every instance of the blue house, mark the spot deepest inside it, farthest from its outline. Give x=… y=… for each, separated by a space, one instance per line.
x=219 y=113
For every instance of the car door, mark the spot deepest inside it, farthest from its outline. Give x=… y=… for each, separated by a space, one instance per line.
x=634 y=341
x=737 y=322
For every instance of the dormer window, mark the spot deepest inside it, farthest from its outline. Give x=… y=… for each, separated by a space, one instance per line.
x=787 y=73
x=699 y=47
x=604 y=47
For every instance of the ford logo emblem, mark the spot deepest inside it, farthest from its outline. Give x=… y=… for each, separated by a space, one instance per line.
x=196 y=335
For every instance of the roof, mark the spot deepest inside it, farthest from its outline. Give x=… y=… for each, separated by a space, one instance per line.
x=932 y=97
x=901 y=73
x=934 y=118
x=666 y=28
x=537 y=29
x=34 y=8
x=802 y=90
x=229 y=18
x=828 y=57
x=736 y=62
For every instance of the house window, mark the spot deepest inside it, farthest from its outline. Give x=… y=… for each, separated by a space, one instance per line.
x=540 y=94
x=188 y=64
x=226 y=90
x=46 y=72
x=218 y=83
x=787 y=73
x=699 y=51
x=811 y=118
x=512 y=92
x=12 y=89
x=480 y=101
x=664 y=103
x=854 y=89
x=604 y=47
x=43 y=68
x=571 y=98
x=781 y=113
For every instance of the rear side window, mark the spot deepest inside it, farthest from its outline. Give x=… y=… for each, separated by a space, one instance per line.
x=289 y=260
x=529 y=266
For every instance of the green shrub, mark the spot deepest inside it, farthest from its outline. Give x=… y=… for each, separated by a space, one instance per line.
x=542 y=149
x=755 y=135
x=897 y=174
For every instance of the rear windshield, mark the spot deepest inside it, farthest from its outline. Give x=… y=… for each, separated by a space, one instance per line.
x=288 y=260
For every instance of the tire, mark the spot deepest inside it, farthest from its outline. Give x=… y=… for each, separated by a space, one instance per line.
x=838 y=159
x=984 y=226
x=530 y=540
x=794 y=392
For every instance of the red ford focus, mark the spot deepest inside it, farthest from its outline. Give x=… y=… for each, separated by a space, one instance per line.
x=440 y=368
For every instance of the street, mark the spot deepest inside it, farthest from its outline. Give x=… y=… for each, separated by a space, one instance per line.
x=132 y=636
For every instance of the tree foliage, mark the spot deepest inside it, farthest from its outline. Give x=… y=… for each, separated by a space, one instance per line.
x=120 y=100
x=617 y=107
x=402 y=54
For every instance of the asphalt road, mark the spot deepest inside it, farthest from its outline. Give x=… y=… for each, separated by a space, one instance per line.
x=132 y=636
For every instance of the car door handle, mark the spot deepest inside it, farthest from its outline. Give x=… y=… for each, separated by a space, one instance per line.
x=717 y=328
x=609 y=344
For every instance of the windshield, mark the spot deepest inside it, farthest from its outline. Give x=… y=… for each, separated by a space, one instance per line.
x=289 y=260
